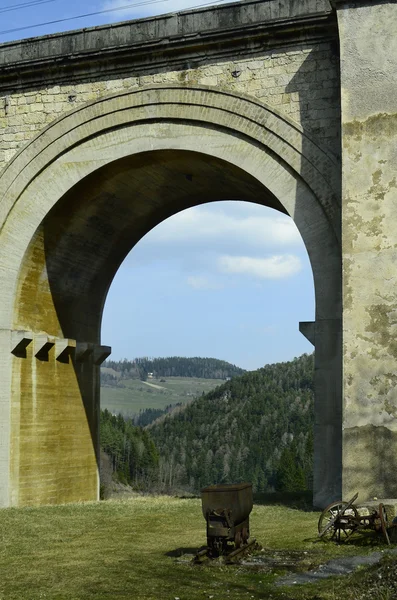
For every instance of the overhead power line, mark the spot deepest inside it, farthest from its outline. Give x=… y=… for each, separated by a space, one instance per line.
x=25 y=5
x=98 y=12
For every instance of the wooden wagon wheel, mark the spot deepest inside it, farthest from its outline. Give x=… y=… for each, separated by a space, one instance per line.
x=384 y=521
x=330 y=525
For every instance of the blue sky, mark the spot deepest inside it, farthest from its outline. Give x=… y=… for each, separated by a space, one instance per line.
x=230 y=280
x=15 y=14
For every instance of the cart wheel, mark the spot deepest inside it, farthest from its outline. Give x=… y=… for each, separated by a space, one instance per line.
x=237 y=540
x=330 y=526
x=384 y=521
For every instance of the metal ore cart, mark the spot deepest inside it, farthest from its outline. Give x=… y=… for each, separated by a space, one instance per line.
x=226 y=509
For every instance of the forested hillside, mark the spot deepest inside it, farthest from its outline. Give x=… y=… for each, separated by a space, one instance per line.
x=257 y=427
x=133 y=455
x=173 y=366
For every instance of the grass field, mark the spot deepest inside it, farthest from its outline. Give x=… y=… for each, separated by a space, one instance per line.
x=137 y=395
x=129 y=549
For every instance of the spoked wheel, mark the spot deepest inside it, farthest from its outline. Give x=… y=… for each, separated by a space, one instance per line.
x=336 y=522
x=384 y=521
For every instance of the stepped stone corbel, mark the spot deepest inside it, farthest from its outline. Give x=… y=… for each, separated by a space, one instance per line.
x=20 y=340
x=83 y=351
x=307 y=328
x=64 y=349
x=42 y=345
x=101 y=353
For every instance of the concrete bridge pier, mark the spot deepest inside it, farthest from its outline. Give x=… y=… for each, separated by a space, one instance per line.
x=326 y=337
x=368 y=48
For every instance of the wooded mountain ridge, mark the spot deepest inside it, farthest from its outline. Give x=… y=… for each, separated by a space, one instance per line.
x=256 y=427
x=172 y=366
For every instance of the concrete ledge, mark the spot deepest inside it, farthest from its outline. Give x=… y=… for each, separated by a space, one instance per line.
x=308 y=329
x=42 y=346
x=83 y=351
x=101 y=353
x=20 y=340
x=64 y=350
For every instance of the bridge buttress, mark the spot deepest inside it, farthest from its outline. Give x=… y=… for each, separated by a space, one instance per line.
x=368 y=46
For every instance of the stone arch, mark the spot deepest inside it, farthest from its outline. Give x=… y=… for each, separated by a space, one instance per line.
x=162 y=129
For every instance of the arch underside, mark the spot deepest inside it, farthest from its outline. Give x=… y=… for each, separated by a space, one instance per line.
x=74 y=204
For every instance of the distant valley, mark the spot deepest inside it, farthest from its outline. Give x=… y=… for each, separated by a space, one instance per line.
x=166 y=432
x=129 y=387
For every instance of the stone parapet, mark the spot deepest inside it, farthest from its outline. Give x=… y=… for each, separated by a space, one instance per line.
x=216 y=29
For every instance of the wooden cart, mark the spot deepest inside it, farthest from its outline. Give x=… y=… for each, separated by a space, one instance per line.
x=341 y=519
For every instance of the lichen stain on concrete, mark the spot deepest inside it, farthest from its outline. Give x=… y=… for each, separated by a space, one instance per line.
x=52 y=435
x=388 y=406
x=370 y=462
x=347 y=288
x=34 y=306
x=381 y=125
x=374 y=226
x=383 y=325
x=376 y=177
x=50 y=429
x=379 y=191
x=374 y=353
x=352 y=225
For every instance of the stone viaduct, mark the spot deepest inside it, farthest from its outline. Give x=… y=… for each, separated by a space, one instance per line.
x=105 y=132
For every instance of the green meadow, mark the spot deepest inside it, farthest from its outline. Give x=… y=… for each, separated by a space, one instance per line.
x=139 y=549
x=138 y=395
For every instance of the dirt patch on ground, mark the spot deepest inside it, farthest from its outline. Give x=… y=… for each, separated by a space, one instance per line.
x=337 y=566
x=280 y=560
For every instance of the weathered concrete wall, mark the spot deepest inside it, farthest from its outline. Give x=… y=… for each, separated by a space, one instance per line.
x=369 y=213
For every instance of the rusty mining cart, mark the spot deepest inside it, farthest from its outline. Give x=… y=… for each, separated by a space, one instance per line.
x=226 y=509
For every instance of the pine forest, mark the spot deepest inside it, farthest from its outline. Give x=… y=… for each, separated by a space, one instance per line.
x=255 y=427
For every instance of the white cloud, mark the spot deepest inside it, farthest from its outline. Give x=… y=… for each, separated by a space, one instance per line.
x=274 y=267
x=148 y=8
x=255 y=228
x=200 y=282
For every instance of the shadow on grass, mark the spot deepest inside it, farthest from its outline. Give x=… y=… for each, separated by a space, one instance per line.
x=183 y=581
x=362 y=539
x=181 y=551
x=299 y=500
